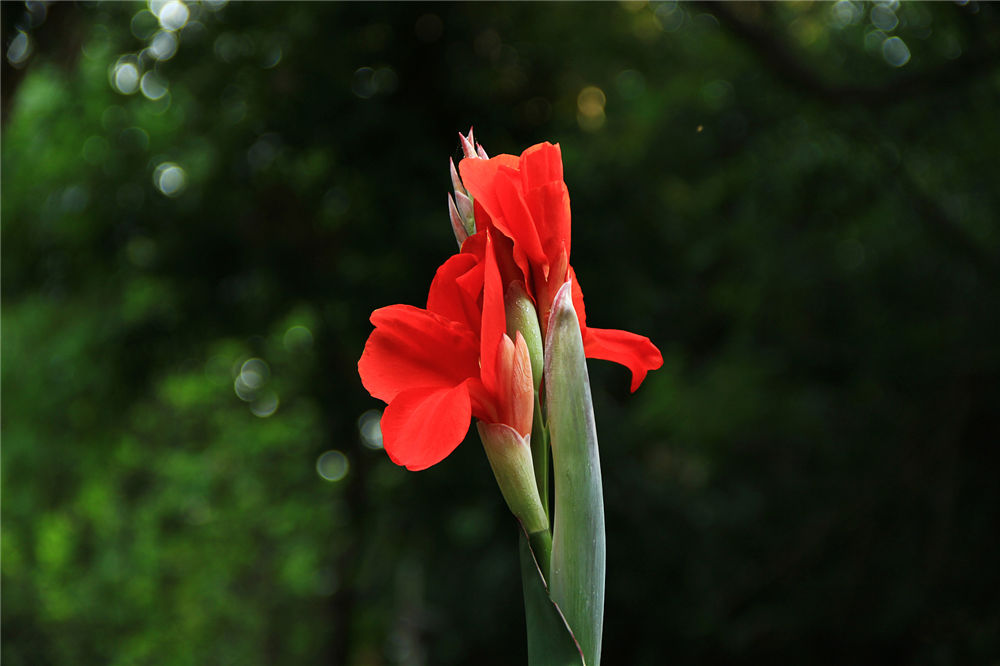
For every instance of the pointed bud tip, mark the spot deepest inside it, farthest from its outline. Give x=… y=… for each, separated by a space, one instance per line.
x=562 y=304
x=456 y=182
x=457 y=225
x=468 y=144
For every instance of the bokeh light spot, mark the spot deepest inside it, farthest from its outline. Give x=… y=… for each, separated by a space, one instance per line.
x=874 y=39
x=844 y=13
x=883 y=17
x=170 y=179
x=298 y=338
x=265 y=405
x=153 y=86
x=332 y=465
x=20 y=49
x=163 y=46
x=670 y=16
x=590 y=104
x=173 y=15
x=242 y=391
x=273 y=57
x=125 y=75
x=363 y=83
x=895 y=52
x=255 y=372
x=370 y=428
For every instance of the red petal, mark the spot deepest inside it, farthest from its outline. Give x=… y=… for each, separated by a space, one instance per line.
x=420 y=427
x=451 y=296
x=547 y=197
x=414 y=348
x=635 y=352
x=541 y=164
x=519 y=223
x=494 y=322
x=581 y=312
x=549 y=206
x=478 y=176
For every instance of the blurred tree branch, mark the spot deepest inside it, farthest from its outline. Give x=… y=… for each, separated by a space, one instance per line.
x=789 y=67
x=58 y=36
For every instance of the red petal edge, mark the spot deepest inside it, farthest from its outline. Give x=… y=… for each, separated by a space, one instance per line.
x=413 y=348
x=635 y=352
x=422 y=426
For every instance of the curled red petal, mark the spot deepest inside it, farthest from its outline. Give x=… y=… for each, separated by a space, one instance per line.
x=635 y=352
x=478 y=176
x=494 y=321
x=519 y=223
x=541 y=175
x=421 y=426
x=541 y=164
x=450 y=297
x=414 y=348
x=550 y=211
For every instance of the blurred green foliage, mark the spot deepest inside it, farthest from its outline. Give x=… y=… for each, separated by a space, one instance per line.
x=798 y=203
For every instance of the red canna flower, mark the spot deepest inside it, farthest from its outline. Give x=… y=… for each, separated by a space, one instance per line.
x=437 y=367
x=525 y=199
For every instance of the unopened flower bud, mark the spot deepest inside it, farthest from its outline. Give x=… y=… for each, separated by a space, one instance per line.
x=470 y=148
x=457 y=225
x=515 y=385
x=456 y=182
x=460 y=207
x=509 y=454
x=522 y=319
x=468 y=144
x=465 y=210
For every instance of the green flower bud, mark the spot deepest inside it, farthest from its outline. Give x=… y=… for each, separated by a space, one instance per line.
x=509 y=454
x=521 y=317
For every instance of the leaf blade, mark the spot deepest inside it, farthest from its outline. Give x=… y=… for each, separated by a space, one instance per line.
x=550 y=640
x=577 y=573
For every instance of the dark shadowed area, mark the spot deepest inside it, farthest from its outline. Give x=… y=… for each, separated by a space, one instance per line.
x=202 y=203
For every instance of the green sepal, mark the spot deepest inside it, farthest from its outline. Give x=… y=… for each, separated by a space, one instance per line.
x=576 y=577
x=509 y=454
x=550 y=641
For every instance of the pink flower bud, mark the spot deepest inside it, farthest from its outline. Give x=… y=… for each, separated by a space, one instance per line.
x=515 y=383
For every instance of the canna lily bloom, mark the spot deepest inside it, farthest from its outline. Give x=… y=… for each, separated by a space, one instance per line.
x=525 y=200
x=439 y=366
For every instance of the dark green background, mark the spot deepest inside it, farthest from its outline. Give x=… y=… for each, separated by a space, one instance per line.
x=805 y=225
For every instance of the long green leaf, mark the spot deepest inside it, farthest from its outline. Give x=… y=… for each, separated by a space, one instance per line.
x=576 y=579
x=550 y=642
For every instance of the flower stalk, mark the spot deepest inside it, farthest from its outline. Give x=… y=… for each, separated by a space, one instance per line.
x=504 y=340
